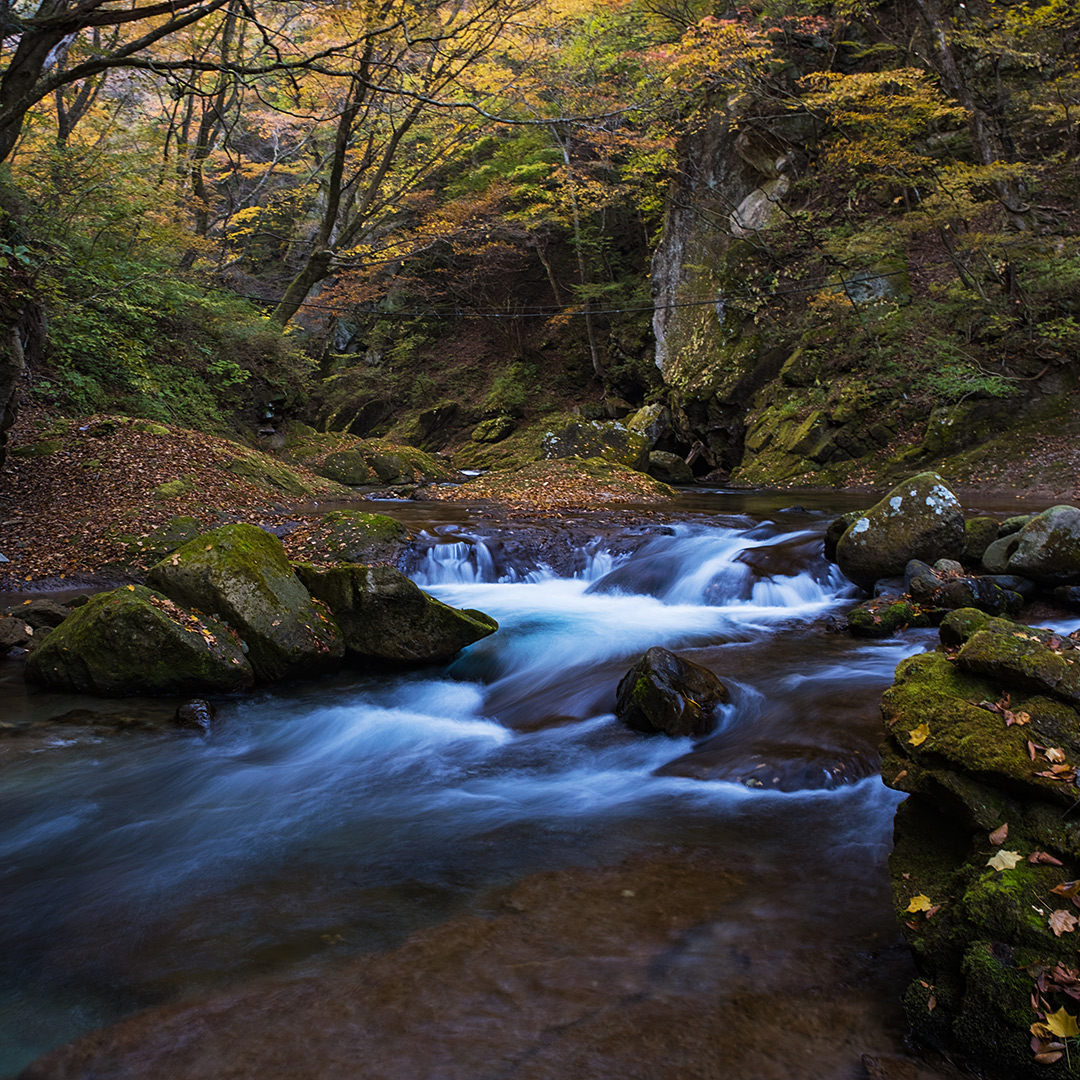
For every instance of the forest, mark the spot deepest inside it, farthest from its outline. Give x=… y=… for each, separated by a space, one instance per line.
x=355 y=213
x=538 y=539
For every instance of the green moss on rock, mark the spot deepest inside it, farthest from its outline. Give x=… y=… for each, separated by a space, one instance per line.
x=136 y=641
x=384 y=616
x=242 y=574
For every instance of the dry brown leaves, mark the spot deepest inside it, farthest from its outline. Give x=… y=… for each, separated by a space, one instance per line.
x=556 y=485
x=61 y=514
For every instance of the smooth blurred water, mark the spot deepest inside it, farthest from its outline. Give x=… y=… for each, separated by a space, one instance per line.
x=350 y=812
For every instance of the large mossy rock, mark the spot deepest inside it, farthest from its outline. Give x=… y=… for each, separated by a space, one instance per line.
x=242 y=575
x=384 y=616
x=919 y=519
x=982 y=736
x=609 y=440
x=350 y=536
x=666 y=693
x=1048 y=547
x=137 y=641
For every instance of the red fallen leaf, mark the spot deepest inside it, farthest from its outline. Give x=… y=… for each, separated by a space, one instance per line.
x=1041 y=858
x=932 y=911
x=1049 y=1058
x=1067 y=888
x=1031 y=749
x=931 y=1003
x=999 y=835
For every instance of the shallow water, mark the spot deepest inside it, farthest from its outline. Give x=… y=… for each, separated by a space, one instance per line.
x=333 y=820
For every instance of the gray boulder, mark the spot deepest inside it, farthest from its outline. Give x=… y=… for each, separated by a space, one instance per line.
x=919 y=519
x=995 y=559
x=242 y=575
x=668 y=694
x=136 y=641
x=386 y=617
x=669 y=468
x=1048 y=548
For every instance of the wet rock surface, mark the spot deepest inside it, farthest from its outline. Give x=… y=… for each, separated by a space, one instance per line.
x=666 y=693
x=984 y=737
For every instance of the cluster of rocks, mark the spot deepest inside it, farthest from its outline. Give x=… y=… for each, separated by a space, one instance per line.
x=984 y=736
x=228 y=610
x=921 y=557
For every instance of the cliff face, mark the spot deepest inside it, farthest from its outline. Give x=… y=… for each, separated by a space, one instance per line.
x=847 y=288
x=731 y=182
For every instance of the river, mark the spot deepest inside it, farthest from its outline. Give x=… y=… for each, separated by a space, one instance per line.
x=716 y=908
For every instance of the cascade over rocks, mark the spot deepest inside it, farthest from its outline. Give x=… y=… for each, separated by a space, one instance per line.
x=985 y=737
x=137 y=641
x=666 y=693
x=242 y=575
x=918 y=519
x=385 y=616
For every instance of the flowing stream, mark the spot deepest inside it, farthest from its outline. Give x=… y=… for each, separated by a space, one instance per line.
x=335 y=819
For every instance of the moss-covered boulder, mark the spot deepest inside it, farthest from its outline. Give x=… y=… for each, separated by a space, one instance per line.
x=666 y=693
x=1048 y=547
x=242 y=575
x=885 y=616
x=137 y=641
x=609 y=440
x=493 y=430
x=919 y=519
x=985 y=849
x=347 y=467
x=350 y=536
x=384 y=616
x=979 y=534
x=653 y=422
x=669 y=468
x=1039 y=661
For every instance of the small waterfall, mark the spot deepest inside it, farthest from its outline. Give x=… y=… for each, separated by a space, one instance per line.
x=477 y=560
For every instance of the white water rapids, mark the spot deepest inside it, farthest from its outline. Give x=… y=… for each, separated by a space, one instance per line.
x=350 y=812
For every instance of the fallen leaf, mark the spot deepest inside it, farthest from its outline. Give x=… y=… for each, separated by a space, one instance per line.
x=997 y=837
x=1005 y=860
x=1067 y=888
x=1054 y=754
x=1048 y=1058
x=1042 y=858
x=1062 y=1023
x=917 y=736
x=1062 y=922
x=920 y=903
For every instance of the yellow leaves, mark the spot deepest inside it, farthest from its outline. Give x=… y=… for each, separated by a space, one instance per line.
x=919 y=903
x=917 y=736
x=1005 y=860
x=1062 y=1024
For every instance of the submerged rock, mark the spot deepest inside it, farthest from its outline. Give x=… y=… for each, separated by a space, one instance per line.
x=242 y=575
x=919 y=519
x=385 y=616
x=666 y=693
x=196 y=715
x=137 y=641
